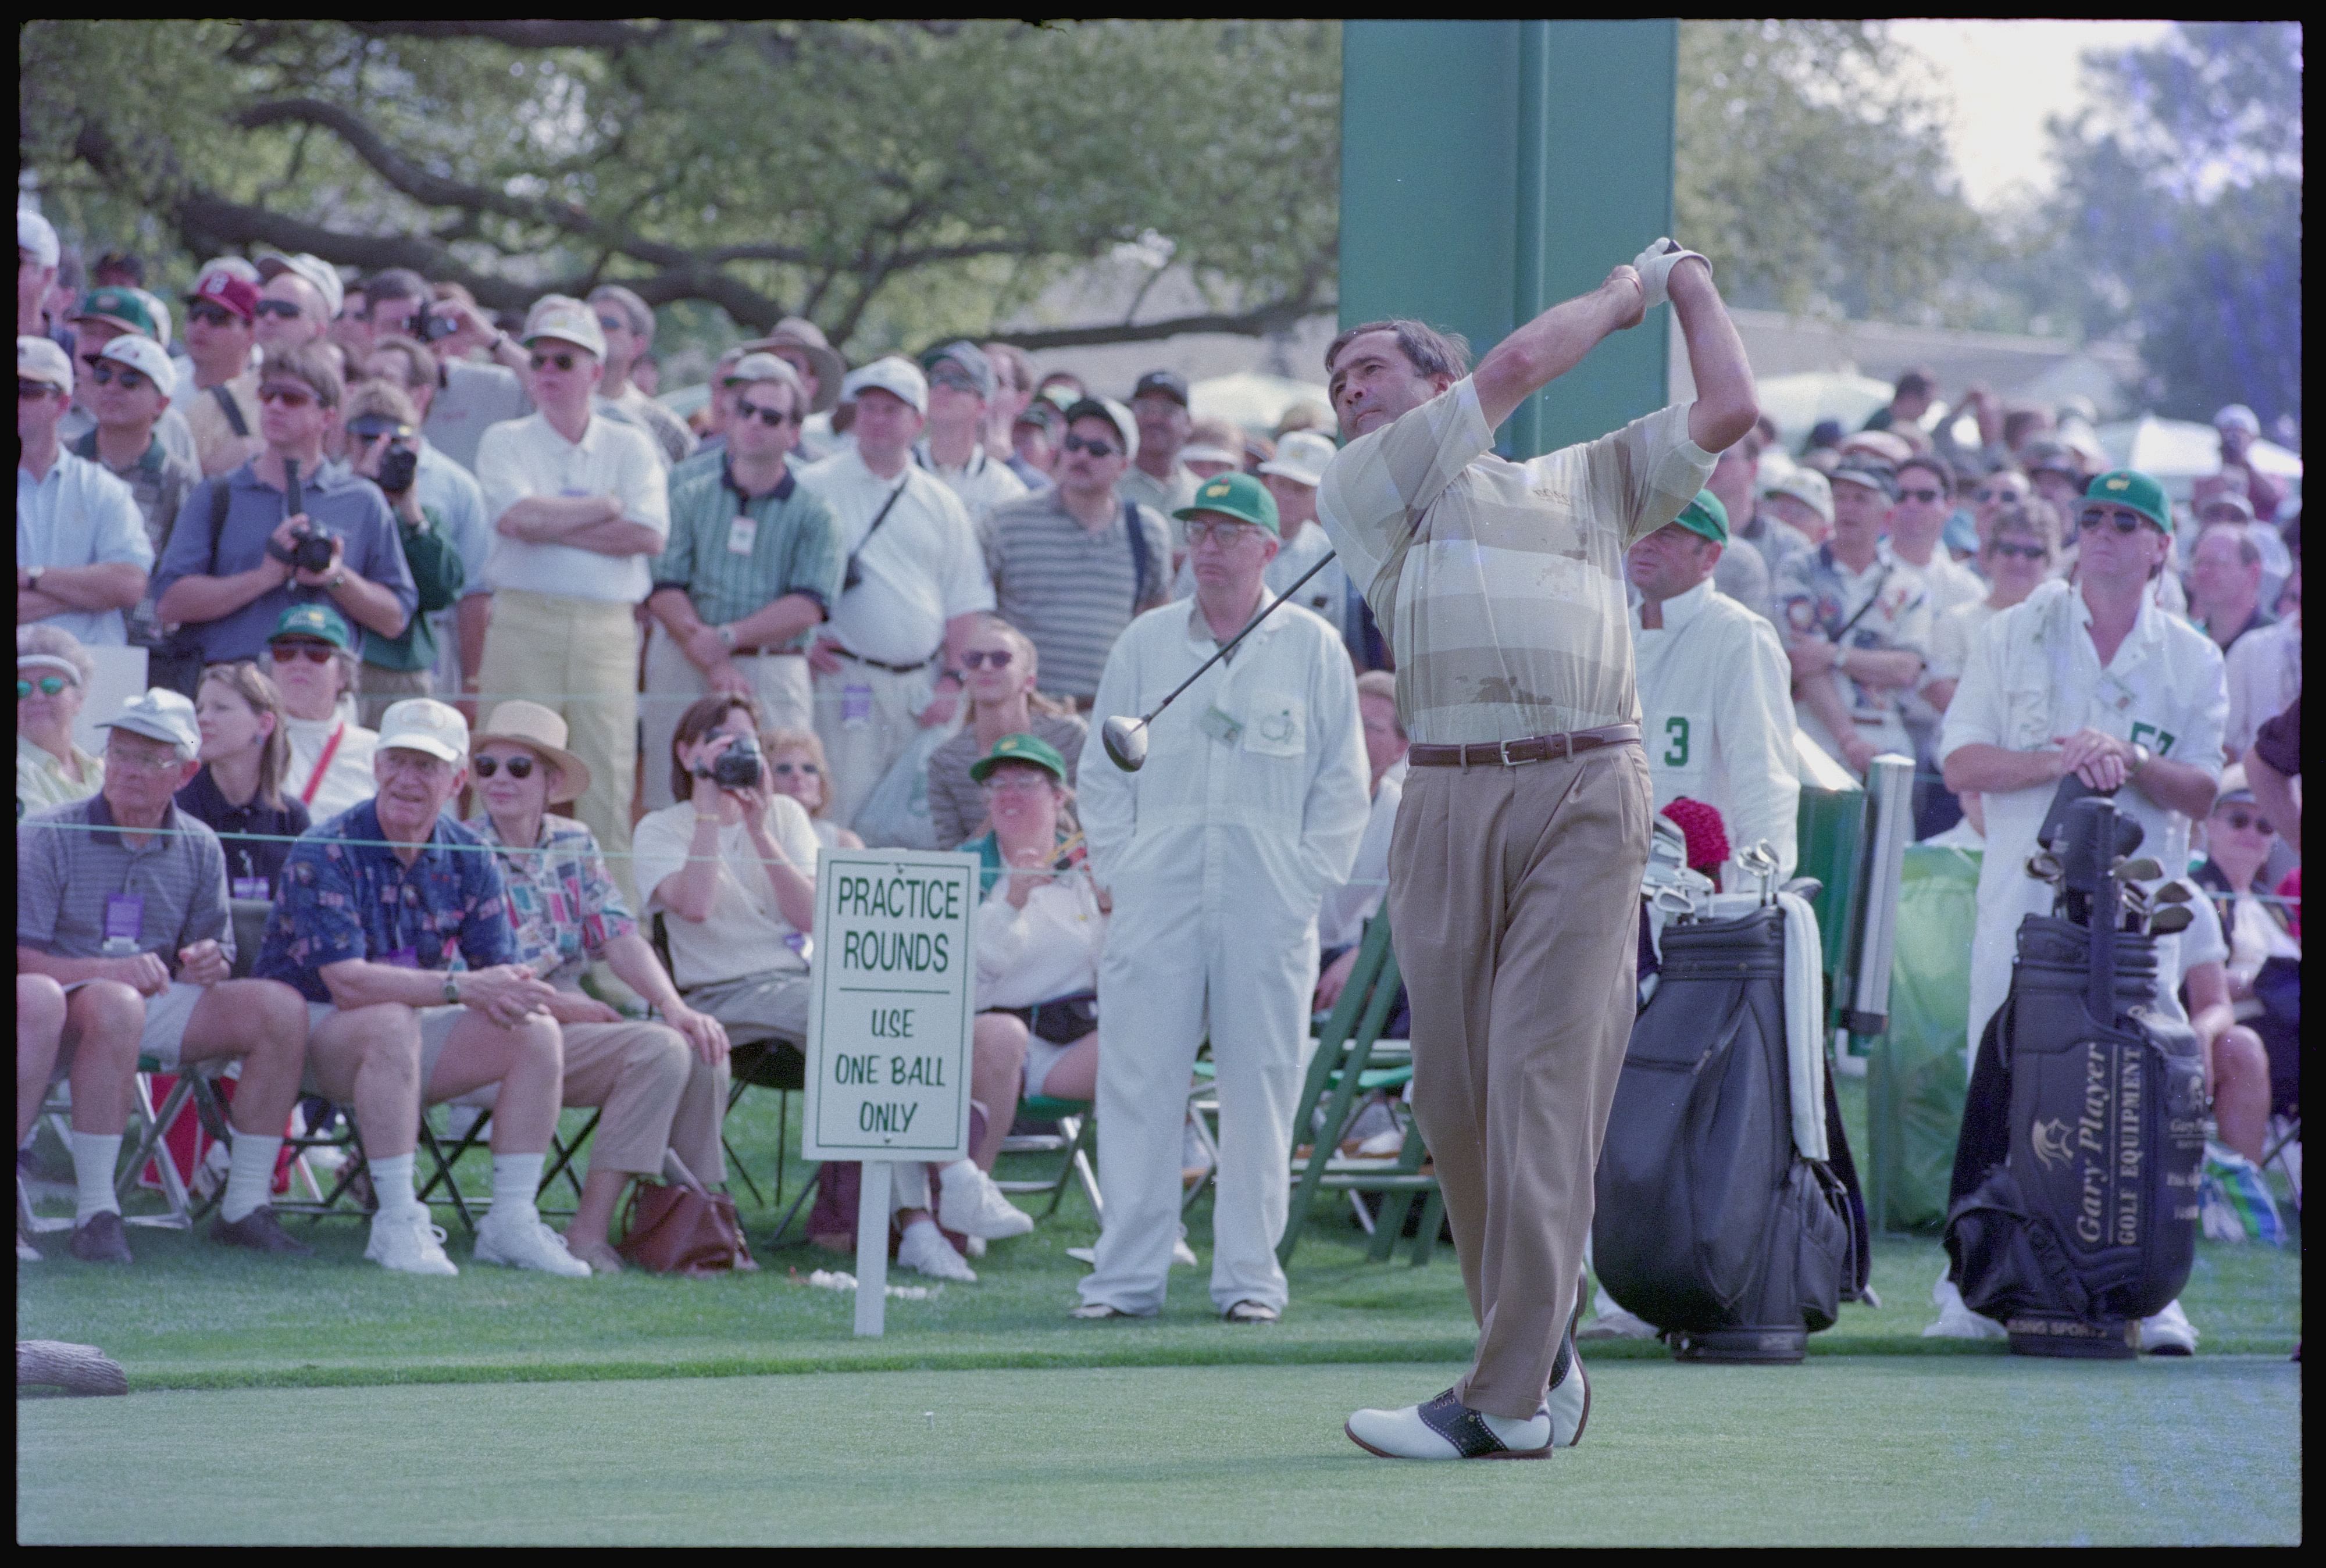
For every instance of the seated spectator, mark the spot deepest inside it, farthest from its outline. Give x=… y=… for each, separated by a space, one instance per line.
x=228 y=572
x=2224 y=596
x=2272 y=762
x=132 y=381
x=2265 y=958
x=392 y=921
x=661 y=1086
x=220 y=397
x=52 y=676
x=82 y=556
x=795 y=758
x=311 y=656
x=2237 y=1064
x=734 y=868
x=121 y=899
x=1002 y=670
x=1341 y=922
x=245 y=752
x=453 y=505
x=384 y=447
x=40 y=1032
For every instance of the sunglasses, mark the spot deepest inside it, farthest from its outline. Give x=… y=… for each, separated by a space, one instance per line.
x=47 y=686
x=282 y=308
x=774 y=419
x=288 y=396
x=1220 y=534
x=2124 y=521
x=1074 y=443
x=544 y=361
x=2240 y=821
x=213 y=315
x=1924 y=497
x=805 y=769
x=2019 y=552
x=1016 y=781
x=106 y=375
x=2005 y=494
x=314 y=653
x=518 y=766
x=977 y=659
x=28 y=390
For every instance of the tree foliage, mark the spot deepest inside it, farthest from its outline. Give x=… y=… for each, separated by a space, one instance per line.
x=887 y=179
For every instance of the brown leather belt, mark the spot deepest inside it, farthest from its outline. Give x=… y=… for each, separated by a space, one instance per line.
x=1535 y=748
x=755 y=650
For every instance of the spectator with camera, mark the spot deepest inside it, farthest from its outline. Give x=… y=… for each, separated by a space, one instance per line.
x=466 y=397
x=629 y=327
x=245 y=757
x=52 y=675
x=580 y=510
x=752 y=567
x=82 y=556
x=379 y=905
x=287 y=527
x=661 y=1086
x=1004 y=672
x=121 y=899
x=220 y=399
x=384 y=447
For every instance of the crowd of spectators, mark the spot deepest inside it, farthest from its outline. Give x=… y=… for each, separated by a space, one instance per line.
x=443 y=623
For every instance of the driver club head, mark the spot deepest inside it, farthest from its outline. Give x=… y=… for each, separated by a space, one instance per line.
x=1125 y=740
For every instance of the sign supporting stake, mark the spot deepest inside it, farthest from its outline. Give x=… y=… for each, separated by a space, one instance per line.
x=872 y=1249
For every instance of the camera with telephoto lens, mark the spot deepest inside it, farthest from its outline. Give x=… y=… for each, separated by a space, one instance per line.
x=738 y=767
x=310 y=548
x=398 y=466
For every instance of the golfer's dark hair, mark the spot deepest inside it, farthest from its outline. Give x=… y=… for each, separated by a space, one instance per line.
x=702 y=717
x=1425 y=347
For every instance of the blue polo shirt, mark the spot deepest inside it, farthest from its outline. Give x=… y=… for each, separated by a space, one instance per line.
x=351 y=508
x=79 y=514
x=343 y=894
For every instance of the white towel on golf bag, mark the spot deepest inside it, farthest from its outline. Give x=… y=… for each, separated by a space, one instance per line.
x=1804 y=1013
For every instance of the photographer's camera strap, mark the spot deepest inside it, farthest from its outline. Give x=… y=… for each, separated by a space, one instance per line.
x=878 y=518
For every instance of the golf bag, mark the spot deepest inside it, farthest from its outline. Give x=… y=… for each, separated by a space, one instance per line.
x=1728 y=1213
x=2074 y=1207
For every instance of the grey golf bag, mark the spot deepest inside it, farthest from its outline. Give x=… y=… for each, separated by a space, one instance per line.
x=2073 y=1212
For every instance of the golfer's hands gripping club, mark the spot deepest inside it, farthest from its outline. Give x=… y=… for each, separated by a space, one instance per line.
x=1654 y=266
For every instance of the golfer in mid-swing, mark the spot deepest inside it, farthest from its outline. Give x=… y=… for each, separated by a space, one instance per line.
x=1514 y=873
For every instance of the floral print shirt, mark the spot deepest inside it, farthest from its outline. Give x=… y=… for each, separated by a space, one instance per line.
x=564 y=904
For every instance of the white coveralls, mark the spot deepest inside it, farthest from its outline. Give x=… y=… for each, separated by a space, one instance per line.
x=1217 y=853
x=2033 y=679
x=1717 y=716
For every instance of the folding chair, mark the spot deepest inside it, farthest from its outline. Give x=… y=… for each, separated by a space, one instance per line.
x=758 y=1058
x=1353 y=1060
x=1071 y=1141
x=442 y=1160
x=142 y=1140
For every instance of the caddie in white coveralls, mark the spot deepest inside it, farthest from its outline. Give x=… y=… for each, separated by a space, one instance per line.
x=1217 y=853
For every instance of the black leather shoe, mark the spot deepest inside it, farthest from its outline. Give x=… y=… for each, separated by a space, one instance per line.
x=101 y=1239
x=260 y=1231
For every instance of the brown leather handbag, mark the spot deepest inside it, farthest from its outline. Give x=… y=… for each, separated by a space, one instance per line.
x=681 y=1229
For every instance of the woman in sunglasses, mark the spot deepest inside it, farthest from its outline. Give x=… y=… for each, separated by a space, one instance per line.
x=1001 y=668
x=797 y=768
x=52 y=676
x=2264 y=962
x=2021 y=543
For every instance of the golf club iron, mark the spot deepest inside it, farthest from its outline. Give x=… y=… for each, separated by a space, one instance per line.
x=1125 y=739
x=2174 y=892
x=2172 y=918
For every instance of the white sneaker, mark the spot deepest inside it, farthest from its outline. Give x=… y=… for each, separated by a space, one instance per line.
x=2168 y=1332
x=969 y=1203
x=976 y=1247
x=1182 y=1255
x=924 y=1250
x=1957 y=1320
x=25 y=1251
x=408 y=1243
x=523 y=1241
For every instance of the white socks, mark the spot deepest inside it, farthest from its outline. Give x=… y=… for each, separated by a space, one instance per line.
x=250 y=1175
x=516 y=1179
x=93 y=1155
x=391 y=1183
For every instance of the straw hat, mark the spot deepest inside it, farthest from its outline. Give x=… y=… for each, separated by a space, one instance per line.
x=542 y=732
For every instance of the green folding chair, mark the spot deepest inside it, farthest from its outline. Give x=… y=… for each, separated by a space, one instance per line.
x=1072 y=1142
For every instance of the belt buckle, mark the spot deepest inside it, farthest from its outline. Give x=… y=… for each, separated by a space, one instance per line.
x=1503 y=748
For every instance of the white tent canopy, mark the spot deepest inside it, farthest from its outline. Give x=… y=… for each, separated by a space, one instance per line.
x=2177 y=451
x=1252 y=400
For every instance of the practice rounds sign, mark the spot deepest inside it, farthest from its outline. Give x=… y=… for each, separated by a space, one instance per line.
x=888 y=1027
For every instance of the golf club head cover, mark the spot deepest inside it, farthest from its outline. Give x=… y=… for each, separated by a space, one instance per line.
x=1707 y=837
x=1654 y=266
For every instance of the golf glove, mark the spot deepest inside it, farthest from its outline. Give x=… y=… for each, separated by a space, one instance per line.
x=1654 y=266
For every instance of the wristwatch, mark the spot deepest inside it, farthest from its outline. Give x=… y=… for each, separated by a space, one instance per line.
x=337 y=578
x=726 y=636
x=33 y=577
x=2141 y=757
x=451 y=988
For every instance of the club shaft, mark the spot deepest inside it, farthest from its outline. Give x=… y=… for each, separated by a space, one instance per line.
x=1230 y=645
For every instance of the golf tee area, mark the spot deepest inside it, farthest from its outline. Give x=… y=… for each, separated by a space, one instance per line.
x=325 y=1401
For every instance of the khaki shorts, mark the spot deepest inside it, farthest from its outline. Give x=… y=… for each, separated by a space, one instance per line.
x=164 y=1035
x=435 y=1029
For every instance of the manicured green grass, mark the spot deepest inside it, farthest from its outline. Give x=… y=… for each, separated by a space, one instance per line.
x=1863 y=1451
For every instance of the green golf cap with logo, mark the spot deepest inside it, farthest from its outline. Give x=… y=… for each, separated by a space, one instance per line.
x=1030 y=750
x=319 y=621
x=121 y=307
x=1706 y=515
x=1237 y=496
x=2131 y=487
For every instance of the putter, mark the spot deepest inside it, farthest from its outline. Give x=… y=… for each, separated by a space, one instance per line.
x=1125 y=739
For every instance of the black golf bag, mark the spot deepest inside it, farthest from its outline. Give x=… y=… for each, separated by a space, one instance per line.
x=2073 y=1213
x=1711 y=1224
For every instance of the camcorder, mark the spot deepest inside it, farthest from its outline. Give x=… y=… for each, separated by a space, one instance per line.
x=433 y=327
x=400 y=463
x=736 y=768
x=311 y=542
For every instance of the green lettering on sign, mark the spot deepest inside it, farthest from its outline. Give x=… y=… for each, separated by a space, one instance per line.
x=1675 y=731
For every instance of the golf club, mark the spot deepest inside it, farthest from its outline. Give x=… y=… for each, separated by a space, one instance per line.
x=2172 y=918
x=1125 y=739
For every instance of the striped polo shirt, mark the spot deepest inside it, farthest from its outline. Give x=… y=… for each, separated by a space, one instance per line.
x=791 y=544
x=1071 y=589
x=1499 y=584
x=70 y=860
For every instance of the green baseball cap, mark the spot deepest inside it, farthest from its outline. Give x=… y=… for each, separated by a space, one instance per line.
x=319 y=621
x=1030 y=750
x=1706 y=515
x=1237 y=496
x=121 y=307
x=2131 y=487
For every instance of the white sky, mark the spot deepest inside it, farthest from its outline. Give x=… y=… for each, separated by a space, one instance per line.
x=2003 y=80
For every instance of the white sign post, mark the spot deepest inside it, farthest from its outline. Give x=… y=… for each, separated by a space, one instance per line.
x=888 y=1029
